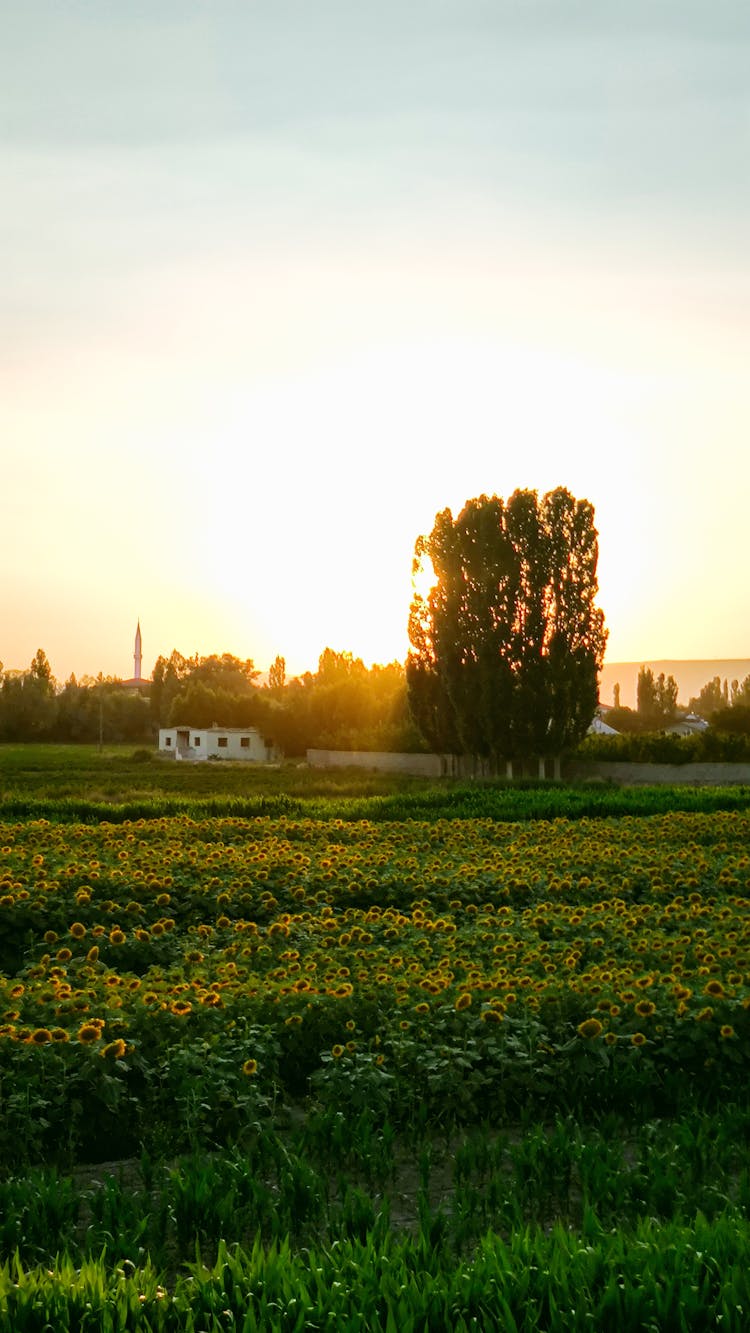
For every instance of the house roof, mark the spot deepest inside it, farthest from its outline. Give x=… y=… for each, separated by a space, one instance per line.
x=599 y=728
x=225 y=731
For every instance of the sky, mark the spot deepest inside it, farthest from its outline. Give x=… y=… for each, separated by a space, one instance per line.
x=279 y=281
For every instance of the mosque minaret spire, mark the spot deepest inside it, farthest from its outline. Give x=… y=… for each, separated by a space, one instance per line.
x=137 y=653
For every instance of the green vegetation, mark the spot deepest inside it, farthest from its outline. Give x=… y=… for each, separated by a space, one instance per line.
x=556 y=1227
x=507 y=644
x=382 y=1055
x=707 y=747
x=344 y=705
x=76 y=782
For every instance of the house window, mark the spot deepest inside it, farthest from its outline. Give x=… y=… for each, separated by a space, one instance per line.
x=196 y=740
x=167 y=740
x=244 y=742
x=222 y=742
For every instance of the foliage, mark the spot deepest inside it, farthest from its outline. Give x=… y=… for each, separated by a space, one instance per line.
x=712 y=697
x=277 y=673
x=344 y=705
x=452 y=1073
x=734 y=721
x=33 y=708
x=219 y=688
x=689 y=1273
x=714 y=746
x=146 y=966
x=507 y=645
x=657 y=699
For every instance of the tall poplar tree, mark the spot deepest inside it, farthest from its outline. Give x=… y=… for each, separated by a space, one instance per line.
x=507 y=644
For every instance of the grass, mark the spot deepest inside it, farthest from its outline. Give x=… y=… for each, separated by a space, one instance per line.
x=77 y=782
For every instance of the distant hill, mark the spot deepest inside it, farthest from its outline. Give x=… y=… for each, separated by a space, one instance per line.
x=690 y=676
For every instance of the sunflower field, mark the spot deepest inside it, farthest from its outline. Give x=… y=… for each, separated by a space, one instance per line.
x=428 y=1052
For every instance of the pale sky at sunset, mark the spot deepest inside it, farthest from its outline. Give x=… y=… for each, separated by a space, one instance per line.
x=281 y=278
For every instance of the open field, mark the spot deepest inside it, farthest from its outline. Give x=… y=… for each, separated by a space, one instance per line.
x=76 y=782
x=425 y=1072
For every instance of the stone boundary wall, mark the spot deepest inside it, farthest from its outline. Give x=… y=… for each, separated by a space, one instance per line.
x=574 y=770
x=420 y=765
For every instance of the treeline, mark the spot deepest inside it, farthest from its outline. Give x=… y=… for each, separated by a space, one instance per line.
x=726 y=706
x=34 y=708
x=343 y=705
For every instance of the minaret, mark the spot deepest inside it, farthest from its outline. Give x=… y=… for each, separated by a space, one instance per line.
x=137 y=653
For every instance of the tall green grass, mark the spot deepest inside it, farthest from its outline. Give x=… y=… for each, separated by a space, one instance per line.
x=503 y=804
x=338 y=1179
x=658 y=1277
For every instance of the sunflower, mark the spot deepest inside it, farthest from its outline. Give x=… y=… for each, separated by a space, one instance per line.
x=88 y=1033
x=40 y=1037
x=250 y=1067
x=645 y=1008
x=715 y=989
x=589 y=1028
x=114 y=1050
x=78 y=930
x=337 y=1052
x=726 y=1032
x=638 y=1039
x=463 y=1001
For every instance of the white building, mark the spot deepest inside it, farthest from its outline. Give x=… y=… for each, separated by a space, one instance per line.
x=598 y=727
x=197 y=743
x=690 y=724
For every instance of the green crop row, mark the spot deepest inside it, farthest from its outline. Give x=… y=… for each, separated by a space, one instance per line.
x=332 y=1178
x=507 y=804
x=662 y=1277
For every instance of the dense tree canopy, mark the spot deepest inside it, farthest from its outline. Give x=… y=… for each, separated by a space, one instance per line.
x=656 y=699
x=34 y=708
x=726 y=706
x=344 y=705
x=507 y=644
x=221 y=688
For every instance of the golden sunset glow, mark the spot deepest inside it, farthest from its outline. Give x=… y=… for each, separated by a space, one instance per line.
x=278 y=290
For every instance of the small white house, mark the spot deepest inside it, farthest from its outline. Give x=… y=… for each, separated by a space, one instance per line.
x=196 y=743
x=690 y=724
